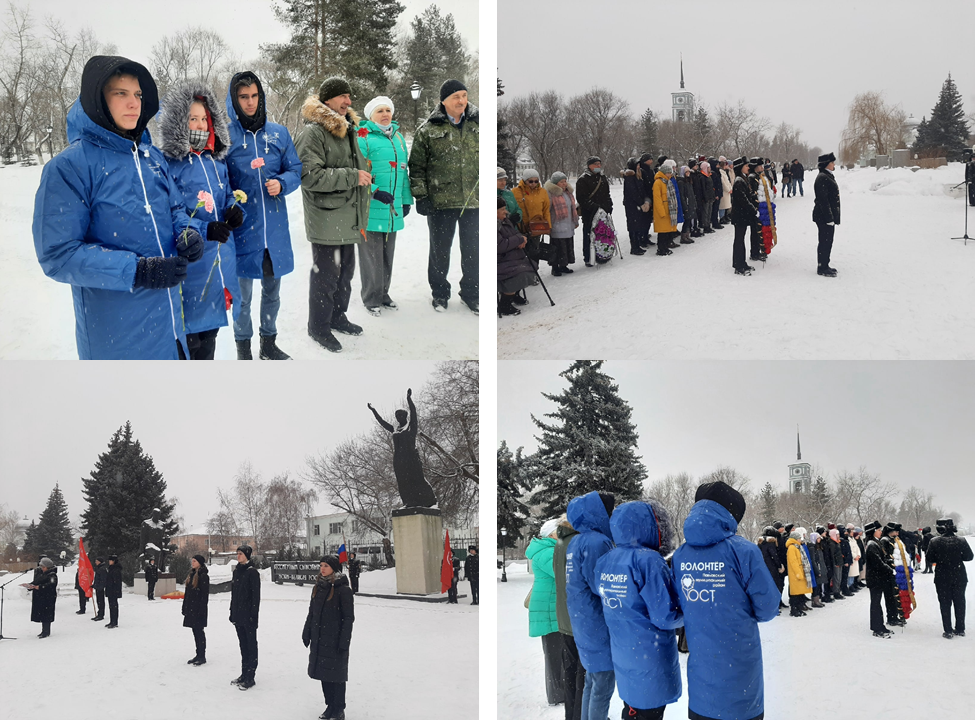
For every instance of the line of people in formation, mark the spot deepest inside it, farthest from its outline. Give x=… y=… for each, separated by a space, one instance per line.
x=160 y=242
x=615 y=600
x=703 y=196
x=327 y=632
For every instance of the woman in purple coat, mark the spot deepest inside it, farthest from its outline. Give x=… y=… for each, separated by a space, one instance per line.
x=515 y=271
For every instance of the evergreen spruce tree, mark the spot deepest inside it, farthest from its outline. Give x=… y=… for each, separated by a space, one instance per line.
x=512 y=512
x=432 y=52
x=121 y=492
x=702 y=127
x=592 y=444
x=767 y=504
x=30 y=541
x=821 y=498
x=649 y=125
x=53 y=532
x=947 y=131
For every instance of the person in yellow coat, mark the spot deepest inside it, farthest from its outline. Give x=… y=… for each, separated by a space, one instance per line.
x=665 y=207
x=800 y=573
x=535 y=207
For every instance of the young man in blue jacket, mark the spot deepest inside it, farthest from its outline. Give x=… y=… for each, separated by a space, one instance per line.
x=589 y=515
x=725 y=591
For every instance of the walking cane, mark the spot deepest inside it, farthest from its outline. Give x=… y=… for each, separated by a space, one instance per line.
x=535 y=268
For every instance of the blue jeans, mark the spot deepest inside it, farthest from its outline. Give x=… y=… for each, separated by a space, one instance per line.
x=270 y=303
x=794 y=186
x=596 y=694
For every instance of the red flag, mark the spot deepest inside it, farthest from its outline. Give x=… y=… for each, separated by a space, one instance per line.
x=447 y=567
x=85 y=571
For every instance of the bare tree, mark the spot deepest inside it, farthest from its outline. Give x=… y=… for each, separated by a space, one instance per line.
x=740 y=127
x=872 y=125
x=193 y=53
x=8 y=526
x=222 y=527
x=538 y=124
x=676 y=493
x=287 y=504
x=246 y=502
x=19 y=80
x=600 y=118
x=866 y=495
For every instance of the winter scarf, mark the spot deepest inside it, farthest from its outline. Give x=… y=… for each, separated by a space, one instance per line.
x=327 y=583
x=806 y=569
x=672 y=202
x=559 y=205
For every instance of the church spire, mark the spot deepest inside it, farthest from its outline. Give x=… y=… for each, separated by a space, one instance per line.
x=798 y=448
x=682 y=71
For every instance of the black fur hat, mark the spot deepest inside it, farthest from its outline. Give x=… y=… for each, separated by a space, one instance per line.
x=826 y=159
x=725 y=495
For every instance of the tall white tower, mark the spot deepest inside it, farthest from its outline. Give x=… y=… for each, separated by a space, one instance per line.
x=682 y=103
x=800 y=473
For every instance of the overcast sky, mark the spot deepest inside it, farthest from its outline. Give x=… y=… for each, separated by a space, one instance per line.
x=198 y=423
x=803 y=63
x=911 y=423
x=243 y=24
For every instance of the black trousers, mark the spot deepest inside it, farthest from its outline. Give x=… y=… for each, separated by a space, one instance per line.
x=876 y=611
x=573 y=678
x=552 y=649
x=632 y=713
x=948 y=595
x=152 y=590
x=334 y=693
x=843 y=578
x=330 y=285
x=247 y=638
x=825 y=246
x=738 y=250
x=891 y=597
x=202 y=345
x=200 y=638
x=757 y=245
x=45 y=627
x=113 y=610
x=354 y=579
x=441 y=224
x=475 y=599
x=100 y=601
x=82 y=601
x=452 y=591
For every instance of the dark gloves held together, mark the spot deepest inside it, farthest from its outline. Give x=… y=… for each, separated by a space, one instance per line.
x=424 y=206
x=234 y=217
x=384 y=197
x=218 y=231
x=406 y=210
x=159 y=273
x=190 y=245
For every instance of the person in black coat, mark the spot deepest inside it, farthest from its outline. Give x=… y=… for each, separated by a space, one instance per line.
x=82 y=597
x=925 y=543
x=245 y=607
x=152 y=575
x=328 y=634
x=949 y=554
x=685 y=184
x=787 y=179
x=744 y=215
x=798 y=175
x=768 y=544
x=98 y=585
x=45 y=588
x=636 y=204
x=452 y=590
x=355 y=570
x=891 y=593
x=970 y=179
x=592 y=194
x=113 y=590
x=826 y=212
x=471 y=572
x=647 y=172
x=196 y=596
x=757 y=249
x=879 y=577
x=847 y=554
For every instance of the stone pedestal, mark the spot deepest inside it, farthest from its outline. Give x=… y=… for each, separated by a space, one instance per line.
x=165 y=584
x=418 y=536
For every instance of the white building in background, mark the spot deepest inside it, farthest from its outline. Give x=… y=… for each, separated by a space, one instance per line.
x=800 y=473
x=682 y=102
x=522 y=164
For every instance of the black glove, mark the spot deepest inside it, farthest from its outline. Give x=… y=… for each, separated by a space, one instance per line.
x=218 y=231
x=234 y=217
x=190 y=246
x=384 y=197
x=406 y=210
x=424 y=206
x=158 y=273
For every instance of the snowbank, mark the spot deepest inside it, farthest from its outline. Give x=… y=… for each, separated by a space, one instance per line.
x=901 y=182
x=39 y=316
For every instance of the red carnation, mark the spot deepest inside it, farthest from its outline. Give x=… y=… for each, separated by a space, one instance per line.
x=228 y=298
x=392 y=164
x=362 y=132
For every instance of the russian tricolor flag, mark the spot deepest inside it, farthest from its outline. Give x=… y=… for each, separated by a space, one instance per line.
x=343 y=555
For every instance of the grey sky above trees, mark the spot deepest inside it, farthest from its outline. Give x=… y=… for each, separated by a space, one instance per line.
x=909 y=422
x=804 y=65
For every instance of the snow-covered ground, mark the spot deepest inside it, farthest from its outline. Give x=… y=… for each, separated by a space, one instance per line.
x=38 y=314
x=408 y=659
x=915 y=674
x=905 y=290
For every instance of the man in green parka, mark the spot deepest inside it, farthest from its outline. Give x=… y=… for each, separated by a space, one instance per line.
x=336 y=188
x=443 y=178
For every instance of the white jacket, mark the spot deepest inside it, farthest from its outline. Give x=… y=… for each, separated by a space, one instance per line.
x=855 y=549
x=727 y=182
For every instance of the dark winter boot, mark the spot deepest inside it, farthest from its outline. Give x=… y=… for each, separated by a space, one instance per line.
x=270 y=351
x=239 y=680
x=327 y=341
x=198 y=661
x=343 y=325
x=946 y=636
x=192 y=660
x=506 y=306
x=244 y=350
x=248 y=682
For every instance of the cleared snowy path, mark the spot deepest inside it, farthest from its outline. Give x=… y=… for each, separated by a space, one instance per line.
x=904 y=291
x=800 y=658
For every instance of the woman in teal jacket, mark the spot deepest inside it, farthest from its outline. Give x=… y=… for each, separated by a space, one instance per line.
x=384 y=148
x=542 y=618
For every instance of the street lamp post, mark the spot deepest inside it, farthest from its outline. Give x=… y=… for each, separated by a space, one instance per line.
x=415 y=90
x=50 y=145
x=504 y=569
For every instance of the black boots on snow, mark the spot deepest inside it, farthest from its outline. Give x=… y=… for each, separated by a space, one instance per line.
x=270 y=351
x=327 y=341
x=244 y=350
x=826 y=271
x=506 y=306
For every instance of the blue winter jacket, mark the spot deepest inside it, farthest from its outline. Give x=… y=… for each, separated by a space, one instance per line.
x=725 y=591
x=587 y=514
x=266 y=224
x=102 y=204
x=641 y=609
x=680 y=203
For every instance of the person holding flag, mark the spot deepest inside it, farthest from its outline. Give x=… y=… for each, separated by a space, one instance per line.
x=355 y=569
x=448 y=573
x=343 y=554
x=83 y=578
x=98 y=585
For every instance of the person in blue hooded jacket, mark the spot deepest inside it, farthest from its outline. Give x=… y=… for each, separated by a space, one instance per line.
x=641 y=609
x=589 y=514
x=264 y=164
x=725 y=590
x=109 y=220
x=195 y=140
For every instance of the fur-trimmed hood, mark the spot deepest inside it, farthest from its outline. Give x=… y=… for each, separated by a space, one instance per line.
x=173 y=121
x=439 y=115
x=556 y=190
x=315 y=111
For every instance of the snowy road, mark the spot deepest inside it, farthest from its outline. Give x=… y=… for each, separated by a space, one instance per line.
x=904 y=291
x=396 y=667
x=915 y=674
x=38 y=315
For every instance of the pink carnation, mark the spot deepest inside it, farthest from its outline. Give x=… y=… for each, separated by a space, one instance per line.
x=202 y=195
x=257 y=163
x=208 y=203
